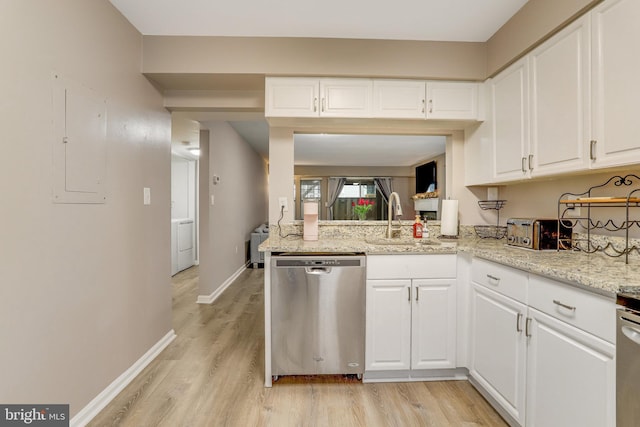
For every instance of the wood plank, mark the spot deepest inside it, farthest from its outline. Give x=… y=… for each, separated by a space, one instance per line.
x=212 y=374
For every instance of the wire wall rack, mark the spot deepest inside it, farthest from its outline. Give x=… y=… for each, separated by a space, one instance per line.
x=617 y=193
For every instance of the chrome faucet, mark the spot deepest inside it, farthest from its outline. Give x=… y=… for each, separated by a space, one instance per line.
x=398 y=212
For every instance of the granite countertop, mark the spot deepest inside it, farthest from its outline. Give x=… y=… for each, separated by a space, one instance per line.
x=595 y=272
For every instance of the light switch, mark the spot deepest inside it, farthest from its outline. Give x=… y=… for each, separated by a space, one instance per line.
x=213 y=199
x=147 y=195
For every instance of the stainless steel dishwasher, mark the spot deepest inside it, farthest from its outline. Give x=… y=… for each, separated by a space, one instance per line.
x=628 y=361
x=317 y=314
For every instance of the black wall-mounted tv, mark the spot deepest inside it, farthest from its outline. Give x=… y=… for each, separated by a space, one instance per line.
x=425 y=176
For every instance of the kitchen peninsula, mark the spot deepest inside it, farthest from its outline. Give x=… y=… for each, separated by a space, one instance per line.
x=508 y=319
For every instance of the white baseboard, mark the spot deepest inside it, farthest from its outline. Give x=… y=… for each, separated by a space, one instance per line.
x=94 y=407
x=208 y=299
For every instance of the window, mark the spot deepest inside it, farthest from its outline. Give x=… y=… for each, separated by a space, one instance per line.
x=354 y=190
x=310 y=189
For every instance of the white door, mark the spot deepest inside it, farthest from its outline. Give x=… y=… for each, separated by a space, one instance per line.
x=388 y=325
x=510 y=91
x=433 y=326
x=346 y=97
x=403 y=99
x=291 y=97
x=452 y=100
x=560 y=114
x=570 y=376
x=615 y=87
x=498 y=348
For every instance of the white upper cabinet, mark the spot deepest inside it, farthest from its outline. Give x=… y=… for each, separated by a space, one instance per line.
x=615 y=89
x=399 y=99
x=478 y=146
x=345 y=97
x=541 y=109
x=510 y=93
x=452 y=100
x=370 y=98
x=559 y=75
x=292 y=97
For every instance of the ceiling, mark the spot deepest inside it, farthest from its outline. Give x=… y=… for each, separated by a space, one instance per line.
x=436 y=20
x=366 y=150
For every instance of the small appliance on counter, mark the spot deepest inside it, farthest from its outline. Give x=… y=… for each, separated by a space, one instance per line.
x=310 y=231
x=535 y=233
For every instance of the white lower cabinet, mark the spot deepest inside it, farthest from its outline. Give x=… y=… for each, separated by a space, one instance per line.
x=388 y=325
x=537 y=351
x=410 y=322
x=499 y=348
x=570 y=375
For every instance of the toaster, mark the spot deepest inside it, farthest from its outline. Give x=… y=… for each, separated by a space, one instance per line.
x=538 y=234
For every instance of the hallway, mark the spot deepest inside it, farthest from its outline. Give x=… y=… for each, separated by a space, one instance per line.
x=212 y=375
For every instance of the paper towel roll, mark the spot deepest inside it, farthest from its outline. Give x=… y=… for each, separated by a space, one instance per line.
x=449 y=218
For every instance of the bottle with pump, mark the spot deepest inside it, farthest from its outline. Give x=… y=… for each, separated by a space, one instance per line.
x=417 y=228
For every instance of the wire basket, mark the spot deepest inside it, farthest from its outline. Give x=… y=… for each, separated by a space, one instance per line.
x=490 y=231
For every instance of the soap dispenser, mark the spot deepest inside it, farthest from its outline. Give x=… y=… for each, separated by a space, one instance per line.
x=417 y=228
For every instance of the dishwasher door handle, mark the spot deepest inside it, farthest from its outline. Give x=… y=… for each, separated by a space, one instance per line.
x=317 y=270
x=632 y=333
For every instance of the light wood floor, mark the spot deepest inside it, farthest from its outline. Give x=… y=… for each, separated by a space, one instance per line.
x=212 y=375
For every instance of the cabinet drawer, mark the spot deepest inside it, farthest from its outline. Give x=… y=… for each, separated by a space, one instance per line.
x=500 y=278
x=585 y=310
x=435 y=266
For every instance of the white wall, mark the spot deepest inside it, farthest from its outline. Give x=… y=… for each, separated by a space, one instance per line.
x=85 y=289
x=240 y=203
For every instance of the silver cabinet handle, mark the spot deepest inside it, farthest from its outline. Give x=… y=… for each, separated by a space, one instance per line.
x=530 y=162
x=490 y=277
x=568 y=307
x=518 y=319
x=423 y=102
x=592 y=149
x=527 y=327
x=431 y=106
x=409 y=289
x=524 y=169
x=315 y=104
x=417 y=294
x=324 y=100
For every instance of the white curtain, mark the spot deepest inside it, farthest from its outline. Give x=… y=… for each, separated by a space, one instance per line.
x=333 y=191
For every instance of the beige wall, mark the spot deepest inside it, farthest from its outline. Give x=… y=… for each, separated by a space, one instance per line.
x=537 y=20
x=314 y=57
x=240 y=203
x=85 y=289
x=185 y=60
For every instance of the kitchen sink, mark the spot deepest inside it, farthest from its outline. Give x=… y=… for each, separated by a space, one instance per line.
x=400 y=241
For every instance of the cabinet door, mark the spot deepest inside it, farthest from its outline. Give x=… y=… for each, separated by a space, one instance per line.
x=478 y=145
x=291 y=97
x=510 y=92
x=346 y=97
x=559 y=74
x=452 y=100
x=433 y=326
x=615 y=86
x=388 y=331
x=570 y=376
x=498 y=348
x=402 y=99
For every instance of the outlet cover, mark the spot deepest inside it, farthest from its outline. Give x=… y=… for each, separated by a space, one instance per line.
x=282 y=203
